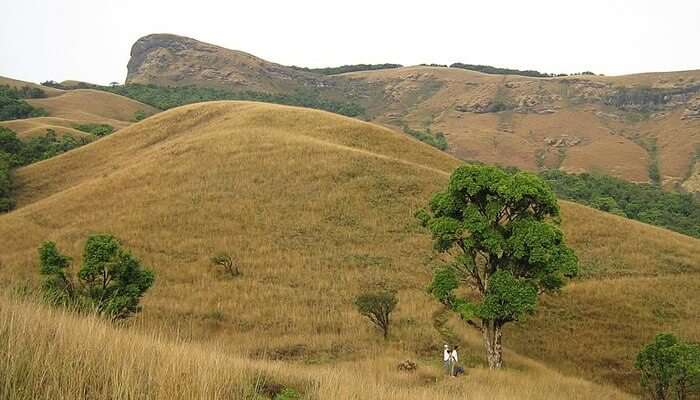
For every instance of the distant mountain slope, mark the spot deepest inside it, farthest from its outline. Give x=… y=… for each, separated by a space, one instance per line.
x=315 y=208
x=642 y=127
x=70 y=108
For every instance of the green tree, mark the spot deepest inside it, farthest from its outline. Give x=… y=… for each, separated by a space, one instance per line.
x=377 y=307
x=669 y=366
x=112 y=280
x=497 y=229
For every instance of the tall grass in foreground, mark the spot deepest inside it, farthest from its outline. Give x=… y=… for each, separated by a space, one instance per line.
x=52 y=354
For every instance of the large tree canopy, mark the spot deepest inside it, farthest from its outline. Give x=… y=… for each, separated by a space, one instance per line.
x=501 y=235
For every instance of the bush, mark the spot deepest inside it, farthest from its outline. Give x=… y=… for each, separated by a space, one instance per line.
x=139 y=115
x=669 y=366
x=438 y=140
x=112 y=281
x=227 y=263
x=377 y=307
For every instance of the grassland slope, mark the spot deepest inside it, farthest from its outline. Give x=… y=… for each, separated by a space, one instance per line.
x=316 y=208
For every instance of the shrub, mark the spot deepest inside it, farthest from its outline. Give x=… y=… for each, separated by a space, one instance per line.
x=225 y=262
x=377 y=307
x=111 y=280
x=139 y=115
x=96 y=129
x=437 y=140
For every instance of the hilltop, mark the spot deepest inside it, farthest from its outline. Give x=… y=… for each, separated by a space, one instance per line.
x=642 y=127
x=315 y=207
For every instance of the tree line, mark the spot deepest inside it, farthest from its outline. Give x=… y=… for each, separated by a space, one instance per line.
x=679 y=212
x=347 y=68
x=13 y=105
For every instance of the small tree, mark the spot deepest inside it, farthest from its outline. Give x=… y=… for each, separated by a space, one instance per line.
x=58 y=286
x=114 y=279
x=496 y=229
x=669 y=366
x=225 y=261
x=377 y=307
x=111 y=280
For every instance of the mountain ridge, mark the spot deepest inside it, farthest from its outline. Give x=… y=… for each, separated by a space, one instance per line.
x=641 y=127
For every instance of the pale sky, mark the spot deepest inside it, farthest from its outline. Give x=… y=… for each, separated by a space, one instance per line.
x=90 y=40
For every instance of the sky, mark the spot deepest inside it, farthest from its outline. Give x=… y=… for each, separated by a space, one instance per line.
x=90 y=40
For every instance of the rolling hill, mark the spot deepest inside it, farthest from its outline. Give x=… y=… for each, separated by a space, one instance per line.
x=643 y=127
x=316 y=207
x=67 y=109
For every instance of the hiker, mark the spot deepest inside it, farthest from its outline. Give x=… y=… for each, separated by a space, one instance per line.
x=454 y=359
x=446 y=359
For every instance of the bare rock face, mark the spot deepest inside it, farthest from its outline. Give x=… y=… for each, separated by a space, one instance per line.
x=693 y=110
x=164 y=59
x=562 y=141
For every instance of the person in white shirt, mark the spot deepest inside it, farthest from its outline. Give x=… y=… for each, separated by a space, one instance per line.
x=446 y=359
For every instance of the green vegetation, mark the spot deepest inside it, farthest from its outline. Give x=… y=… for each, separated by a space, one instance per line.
x=377 y=307
x=12 y=105
x=437 y=140
x=111 y=280
x=347 y=68
x=679 y=212
x=6 y=202
x=498 y=229
x=96 y=129
x=16 y=153
x=669 y=368
x=139 y=115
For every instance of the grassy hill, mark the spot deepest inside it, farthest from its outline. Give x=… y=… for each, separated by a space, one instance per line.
x=68 y=109
x=642 y=127
x=315 y=207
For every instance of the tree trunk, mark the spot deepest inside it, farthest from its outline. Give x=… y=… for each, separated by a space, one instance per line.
x=492 y=339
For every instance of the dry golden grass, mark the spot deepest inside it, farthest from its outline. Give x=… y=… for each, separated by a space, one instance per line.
x=47 y=354
x=31 y=127
x=89 y=105
x=315 y=208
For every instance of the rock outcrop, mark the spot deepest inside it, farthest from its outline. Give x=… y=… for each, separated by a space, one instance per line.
x=165 y=59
